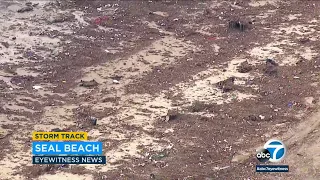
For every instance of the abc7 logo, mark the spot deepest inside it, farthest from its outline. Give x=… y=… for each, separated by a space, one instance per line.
x=273 y=151
x=263 y=155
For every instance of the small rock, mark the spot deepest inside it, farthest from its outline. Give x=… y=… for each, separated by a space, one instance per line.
x=226 y=85
x=253 y=118
x=11 y=70
x=25 y=9
x=61 y=18
x=304 y=40
x=244 y=67
x=5 y=44
x=271 y=67
x=56 y=130
x=171 y=115
x=88 y=84
x=14 y=38
x=238 y=25
x=207 y=12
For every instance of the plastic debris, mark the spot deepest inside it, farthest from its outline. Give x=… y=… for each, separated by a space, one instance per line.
x=93 y=120
x=37 y=87
x=237 y=25
x=100 y=20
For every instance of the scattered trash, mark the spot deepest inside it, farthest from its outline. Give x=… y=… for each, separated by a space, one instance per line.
x=116 y=77
x=88 y=84
x=220 y=168
x=237 y=25
x=296 y=77
x=271 y=67
x=176 y=19
x=99 y=9
x=212 y=38
x=115 y=81
x=290 y=104
x=37 y=87
x=93 y=120
x=244 y=67
x=29 y=54
x=5 y=44
x=25 y=9
x=160 y=155
x=261 y=117
x=250 y=82
x=101 y=20
x=234 y=96
x=152 y=176
x=226 y=85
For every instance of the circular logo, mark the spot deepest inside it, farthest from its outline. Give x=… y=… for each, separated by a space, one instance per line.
x=277 y=150
x=263 y=155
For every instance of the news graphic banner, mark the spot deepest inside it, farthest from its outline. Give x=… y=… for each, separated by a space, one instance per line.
x=66 y=148
x=273 y=151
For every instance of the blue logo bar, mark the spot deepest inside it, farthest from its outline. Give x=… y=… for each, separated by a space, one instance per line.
x=69 y=160
x=272 y=168
x=67 y=148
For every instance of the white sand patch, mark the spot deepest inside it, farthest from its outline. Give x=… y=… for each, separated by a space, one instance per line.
x=206 y=90
x=291 y=17
x=160 y=13
x=257 y=3
x=296 y=29
x=307 y=53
